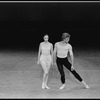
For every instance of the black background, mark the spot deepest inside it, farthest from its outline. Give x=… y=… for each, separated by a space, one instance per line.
x=23 y=25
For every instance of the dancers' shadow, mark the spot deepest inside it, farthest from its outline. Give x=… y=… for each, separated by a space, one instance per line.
x=54 y=73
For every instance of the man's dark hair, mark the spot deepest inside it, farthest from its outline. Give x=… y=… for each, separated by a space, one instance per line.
x=65 y=35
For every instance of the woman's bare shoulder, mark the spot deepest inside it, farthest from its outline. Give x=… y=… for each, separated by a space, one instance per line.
x=50 y=43
x=41 y=43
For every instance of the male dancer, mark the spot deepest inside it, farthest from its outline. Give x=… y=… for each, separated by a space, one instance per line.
x=60 y=57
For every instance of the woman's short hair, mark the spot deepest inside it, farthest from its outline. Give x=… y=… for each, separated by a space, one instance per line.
x=65 y=35
x=46 y=35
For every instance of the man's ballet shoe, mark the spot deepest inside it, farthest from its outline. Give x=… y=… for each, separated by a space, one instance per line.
x=63 y=86
x=87 y=87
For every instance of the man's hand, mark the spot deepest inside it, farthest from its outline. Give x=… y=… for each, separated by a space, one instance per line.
x=72 y=68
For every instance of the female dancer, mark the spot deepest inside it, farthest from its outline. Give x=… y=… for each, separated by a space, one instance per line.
x=45 y=58
x=60 y=57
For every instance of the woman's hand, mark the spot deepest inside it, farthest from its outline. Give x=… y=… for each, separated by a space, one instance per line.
x=52 y=62
x=38 y=62
x=55 y=64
